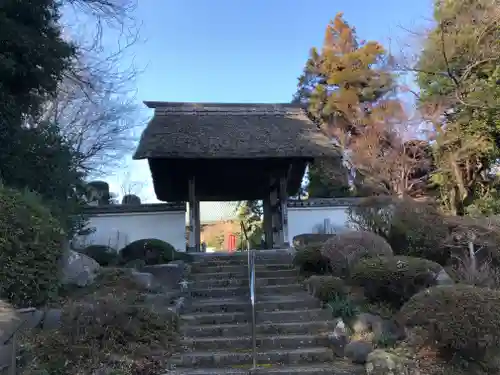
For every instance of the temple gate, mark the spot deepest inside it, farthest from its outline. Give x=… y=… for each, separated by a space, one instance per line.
x=229 y=152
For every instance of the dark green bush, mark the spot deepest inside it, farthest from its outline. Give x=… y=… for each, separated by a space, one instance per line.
x=307 y=239
x=326 y=288
x=152 y=251
x=310 y=261
x=31 y=247
x=393 y=279
x=457 y=319
x=347 y=248
x=102 y=254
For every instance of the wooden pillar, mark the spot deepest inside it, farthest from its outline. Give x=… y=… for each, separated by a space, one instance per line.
x=194 y=217
x=268 y=222
x=276 y=220
x=197 y=220
x=283 y=199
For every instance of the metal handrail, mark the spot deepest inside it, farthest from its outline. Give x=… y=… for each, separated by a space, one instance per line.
x=251 y=283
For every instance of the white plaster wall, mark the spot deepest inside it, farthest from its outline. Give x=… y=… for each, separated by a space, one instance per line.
x=306 y=219
x=119 y=229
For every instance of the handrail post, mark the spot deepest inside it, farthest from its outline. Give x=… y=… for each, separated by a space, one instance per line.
x=252 y=294
x=251 y=284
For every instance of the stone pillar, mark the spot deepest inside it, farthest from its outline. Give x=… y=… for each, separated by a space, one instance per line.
x=194 y=217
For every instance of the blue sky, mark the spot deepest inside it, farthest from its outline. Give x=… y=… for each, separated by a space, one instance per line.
x=247 y=51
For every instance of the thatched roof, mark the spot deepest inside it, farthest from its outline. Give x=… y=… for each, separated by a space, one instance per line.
x=207 y=131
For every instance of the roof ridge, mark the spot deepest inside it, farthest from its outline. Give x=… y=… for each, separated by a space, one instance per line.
x=226 y=108
x=158 y=104
x=230 y=112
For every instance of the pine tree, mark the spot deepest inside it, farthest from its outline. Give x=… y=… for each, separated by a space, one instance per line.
x=459 y=78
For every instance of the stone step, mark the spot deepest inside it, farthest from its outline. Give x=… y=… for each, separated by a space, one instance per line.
x=234 y=358
x=239 y=261
x=244 y=329
x=242 y=304
x=218 y=283
x=244 y=290
x=242 y=268
x=216 y=318
x=243 y=274
x=263 y=342
x=293 y=316
x=261 y=317
x=337 y=367
x=259 y=254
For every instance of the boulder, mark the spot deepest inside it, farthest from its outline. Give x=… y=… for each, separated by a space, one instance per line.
x=380 y=362
x=442 y=278
x=358 y=350
x=339 y=338
x=168 y=275
x=382 y=329
x=365 y=322
x=32 y=317
x=10 y=321
x=78 y=269
x=52 y=319
x=144 y=279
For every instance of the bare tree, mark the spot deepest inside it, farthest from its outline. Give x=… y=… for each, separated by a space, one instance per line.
x=98 y=122
x=130 y=186
x=95 y=105
x=390 y=161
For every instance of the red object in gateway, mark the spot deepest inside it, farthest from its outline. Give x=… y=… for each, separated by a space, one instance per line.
x=231 y=243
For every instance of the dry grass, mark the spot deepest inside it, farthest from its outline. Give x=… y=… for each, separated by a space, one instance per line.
x=104 y=327
x=468 y=272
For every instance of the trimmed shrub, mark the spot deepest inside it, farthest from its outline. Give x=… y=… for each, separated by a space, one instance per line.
x=131 y=199
x=326 y=288
x=310 y=260
x=394 y=279
x=458 y=319
x=152 y=251
x=347 y=248
x=102 y=254
x=306 y=239
x=31 y=247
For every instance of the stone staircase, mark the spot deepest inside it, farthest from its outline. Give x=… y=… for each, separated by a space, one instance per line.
x=292 y=330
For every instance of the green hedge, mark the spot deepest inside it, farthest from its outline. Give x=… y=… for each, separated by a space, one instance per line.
x=326 y=288
x=457 y=319
x=393 y=279
x=310 y=261
x=31 y=247
x=151 y=251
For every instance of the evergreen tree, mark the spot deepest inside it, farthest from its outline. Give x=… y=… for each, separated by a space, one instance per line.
x=459 y=78
x=33 y=57
x=351 y=93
